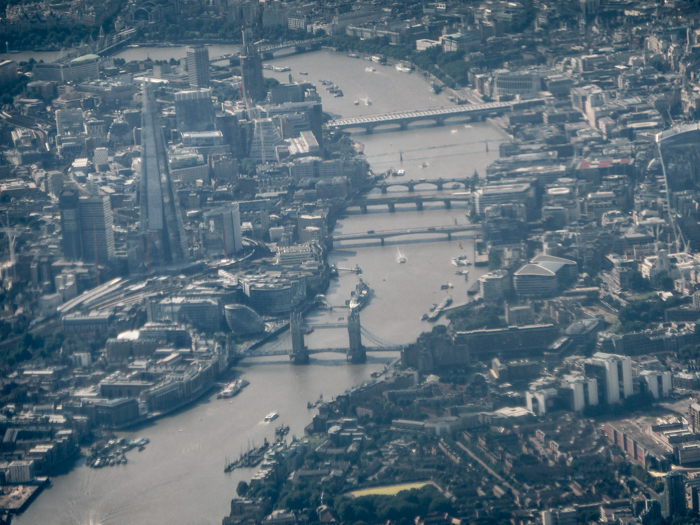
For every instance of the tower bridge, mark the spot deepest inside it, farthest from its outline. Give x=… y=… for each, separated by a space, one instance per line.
x=356 y=352
x=268 y=51
x=401 y=120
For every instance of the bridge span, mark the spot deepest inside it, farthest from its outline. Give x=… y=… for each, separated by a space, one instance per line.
x=413 y=198
x=356 y=352
x=268 y=51
x=440 y=183
x=401 y=120
x=385 y=234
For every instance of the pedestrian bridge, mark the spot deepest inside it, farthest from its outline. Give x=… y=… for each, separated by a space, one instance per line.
x=401 y=120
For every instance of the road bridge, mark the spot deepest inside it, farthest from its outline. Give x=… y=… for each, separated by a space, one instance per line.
x=415 y=198
x=401 y=120
x=385 y=234
x=269 y=51
x=385 y=184
x=355 y=353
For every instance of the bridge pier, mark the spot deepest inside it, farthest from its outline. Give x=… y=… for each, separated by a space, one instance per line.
x=369 y=129
x=419 y=204
x=356 y=351
x=392 y=207
x=383 y=187
x=267 y=55
x=411 y=185
x=439 y=184
x=363 y=208
x=300 y=354
x=448 y=203
x=449 y=236
x=382 y=241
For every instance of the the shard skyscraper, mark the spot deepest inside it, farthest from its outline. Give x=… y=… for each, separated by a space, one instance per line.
x=161 y=222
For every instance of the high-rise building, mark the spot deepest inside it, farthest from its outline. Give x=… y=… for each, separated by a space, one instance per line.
x=251 y=68
x=194 y=110
x=226 y=221
x=70 y=224
x=673 y=496
x=97 y=230
x=161 y=221
x=613 y=374
x=198 y=66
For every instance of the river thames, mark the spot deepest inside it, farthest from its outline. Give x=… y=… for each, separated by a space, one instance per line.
x=179 y=478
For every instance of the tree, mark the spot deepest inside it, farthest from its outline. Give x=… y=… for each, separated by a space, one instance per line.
x=637 y=283
x=242 y=488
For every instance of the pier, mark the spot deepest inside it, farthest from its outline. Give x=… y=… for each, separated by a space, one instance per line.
x=399 y=121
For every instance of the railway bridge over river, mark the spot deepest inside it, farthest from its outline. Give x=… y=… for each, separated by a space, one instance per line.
x=402 y=119
x=385 y=234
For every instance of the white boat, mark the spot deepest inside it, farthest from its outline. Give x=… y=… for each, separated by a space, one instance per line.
x=271 y=417
x=370 y=69
x=400 y=257
x=401 y=173
x=357 y=102
x=368 y=102
x=353 y=55
x=403 y=68
x=281 y=69
x=462 y=260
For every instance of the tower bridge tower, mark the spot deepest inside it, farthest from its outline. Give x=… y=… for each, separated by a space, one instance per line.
x=300 y=354
x=356 y=351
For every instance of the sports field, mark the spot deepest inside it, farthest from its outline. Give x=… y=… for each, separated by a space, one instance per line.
x=389 y=490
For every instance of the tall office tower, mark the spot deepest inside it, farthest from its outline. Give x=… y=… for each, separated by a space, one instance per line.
x=198 y=66
x=226 y=221
x=194 y=110
x=673 y=497
x=679 y=149
x=251 y=68
x=70 y=225
x=161 y=221
x=97 y=228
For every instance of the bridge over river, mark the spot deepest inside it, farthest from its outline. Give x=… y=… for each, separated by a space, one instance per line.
x=401 y=120
x=416 y=198
x=356 y=352
x=385 y=234
x=268 y=51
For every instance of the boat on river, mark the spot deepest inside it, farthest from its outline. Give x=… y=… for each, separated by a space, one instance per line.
x=359 y=296
x=271 y=417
